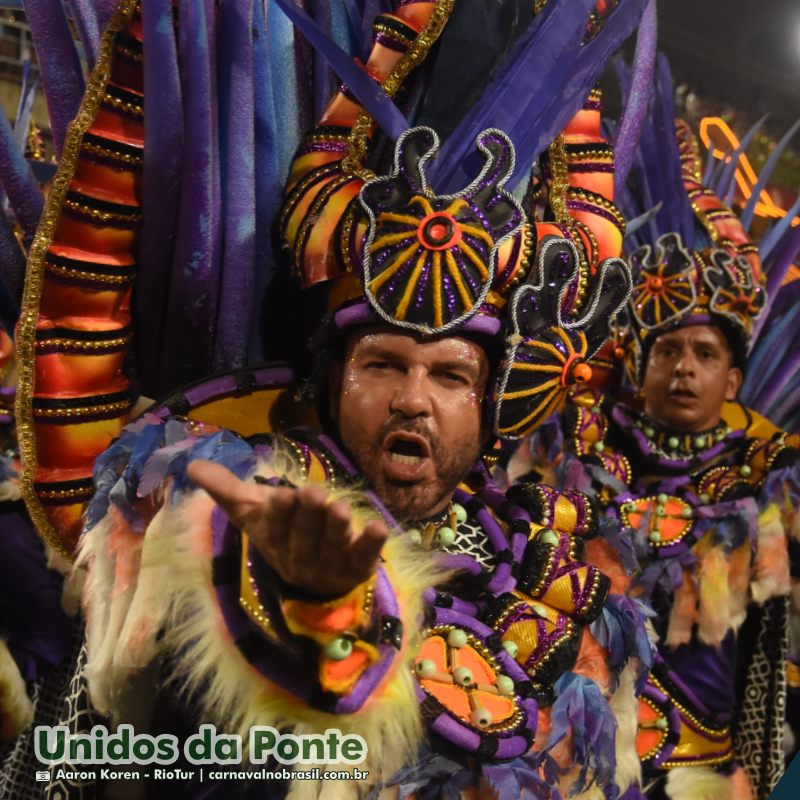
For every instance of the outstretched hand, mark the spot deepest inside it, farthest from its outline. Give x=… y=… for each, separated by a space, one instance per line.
x=312 y=543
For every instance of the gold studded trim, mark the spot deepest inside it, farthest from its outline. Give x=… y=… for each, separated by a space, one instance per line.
x=26 y=331
x=358 y=140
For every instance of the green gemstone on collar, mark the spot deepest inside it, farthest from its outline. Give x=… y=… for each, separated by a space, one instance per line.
x=662 y=498
x=338 y=649
x=598 y=447
x=719 y=435
x=548 y=537
x=505 y=685
x=510 y=646
x=481 y=717
x=415 y=535
x=705 y=497
x=700 y=442
x=425 y=668
x=655 y=536
x=745 y=471
x=673 y=442
x=649 y=432
x=456 y=638
x=662 y=724
x=595 y=409
x=629 y=507
x=687 y=513
x=460 y=513
x=660 y=511
x=463 y=676
x=445 y=536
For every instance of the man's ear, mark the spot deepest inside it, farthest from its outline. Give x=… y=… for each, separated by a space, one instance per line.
x=335 y=388
x=735 y=378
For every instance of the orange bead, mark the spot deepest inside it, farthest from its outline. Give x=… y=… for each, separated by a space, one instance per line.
x=619 y=352
x=582 y=373
x=655 y=284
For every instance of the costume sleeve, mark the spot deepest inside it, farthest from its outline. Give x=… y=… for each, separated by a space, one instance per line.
x=172 y=580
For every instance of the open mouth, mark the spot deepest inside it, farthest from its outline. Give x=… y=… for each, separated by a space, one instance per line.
x=407 y=448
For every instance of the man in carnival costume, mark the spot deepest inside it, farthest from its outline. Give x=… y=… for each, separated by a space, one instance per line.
x=705 y=490
x=369 y=577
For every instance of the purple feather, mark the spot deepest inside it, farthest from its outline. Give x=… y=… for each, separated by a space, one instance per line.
x=581 y=711
x=638 y=96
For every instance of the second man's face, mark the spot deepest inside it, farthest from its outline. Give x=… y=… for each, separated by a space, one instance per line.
x=409 y=411
x=688 y=378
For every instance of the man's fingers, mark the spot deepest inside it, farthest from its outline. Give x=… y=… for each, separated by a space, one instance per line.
x=234 y=495
x=366 y=548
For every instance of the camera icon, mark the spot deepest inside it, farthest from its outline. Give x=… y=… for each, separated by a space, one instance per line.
x=42 y=774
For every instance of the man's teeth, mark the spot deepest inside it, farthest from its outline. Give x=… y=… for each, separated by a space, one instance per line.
x=401 y=459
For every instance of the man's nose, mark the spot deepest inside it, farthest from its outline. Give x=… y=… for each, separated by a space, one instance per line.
x=411 y=395
x=685 y=365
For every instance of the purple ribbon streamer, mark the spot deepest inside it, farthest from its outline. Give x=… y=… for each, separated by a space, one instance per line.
x=638 y=98
x=62 y=74
x=238 y=180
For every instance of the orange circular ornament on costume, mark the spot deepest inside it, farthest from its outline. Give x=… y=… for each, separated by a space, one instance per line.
x=438 y=231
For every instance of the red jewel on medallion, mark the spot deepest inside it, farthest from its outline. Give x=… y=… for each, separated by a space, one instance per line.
x=438 y=231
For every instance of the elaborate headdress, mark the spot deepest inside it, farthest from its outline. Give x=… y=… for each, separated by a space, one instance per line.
x=193 y=221
x=692 y=260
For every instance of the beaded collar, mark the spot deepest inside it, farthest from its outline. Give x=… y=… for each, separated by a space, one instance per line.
x=675 y=445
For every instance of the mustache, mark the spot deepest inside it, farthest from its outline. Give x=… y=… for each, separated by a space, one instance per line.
x=399 y=422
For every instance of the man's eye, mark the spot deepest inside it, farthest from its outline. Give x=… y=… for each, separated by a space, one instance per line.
x=453 y=377
x=378 y=365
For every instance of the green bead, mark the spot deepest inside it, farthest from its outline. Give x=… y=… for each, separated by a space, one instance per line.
x=687 y=513
x=426 y=668
x=629 y=507
x=415 y=536
x=511 y=648
x=599 y=447
x=745 y=471
x=463 y=676
x=548 y=537
x=460 y=513
x=705 y=497
x=719 y=435
x=539 y=609
x=699 y=442
x=456 y=638
x=649 y=432
x=661 y=511
x=595 y=409
x=662 y=498
x=481 y=717
x=339 y=649
x=445 y=536
x=673 y=442
x=655 y=536
x=505 y=685
x=662 y=724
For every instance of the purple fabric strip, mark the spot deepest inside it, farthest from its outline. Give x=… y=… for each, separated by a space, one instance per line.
x=161 y=182
x=191 y=327
x=638 y=98
x=237 y=284
x=62 y=74
x=84 y=16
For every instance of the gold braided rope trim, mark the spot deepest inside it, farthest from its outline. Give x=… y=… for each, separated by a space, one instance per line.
x=82 y=411
x=358 y=141
x=392 y=33
x=101 y=216
x=26 y=332
x=134 y=109
x=115 y=155
x=83 y=344
x=85 y=275
x=66 y=494
x=560 y=181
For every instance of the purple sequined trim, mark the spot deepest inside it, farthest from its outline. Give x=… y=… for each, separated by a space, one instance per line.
x=579 y=205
